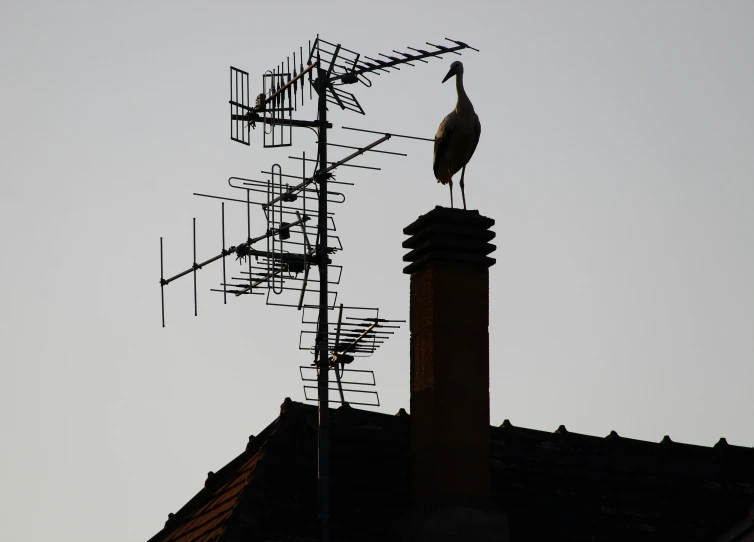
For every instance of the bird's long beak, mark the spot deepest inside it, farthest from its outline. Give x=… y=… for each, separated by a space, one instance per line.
x=451 y=73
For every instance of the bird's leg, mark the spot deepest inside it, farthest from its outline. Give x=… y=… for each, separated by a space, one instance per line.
x=463 y=194
x=450 y=183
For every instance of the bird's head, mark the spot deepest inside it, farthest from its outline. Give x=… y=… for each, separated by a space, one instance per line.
x=455 y=69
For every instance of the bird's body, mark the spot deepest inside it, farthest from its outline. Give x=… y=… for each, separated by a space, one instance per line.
x=455 y=143
x=457 y=137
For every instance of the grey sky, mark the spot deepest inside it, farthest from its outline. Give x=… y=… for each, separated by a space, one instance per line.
x=616 y=157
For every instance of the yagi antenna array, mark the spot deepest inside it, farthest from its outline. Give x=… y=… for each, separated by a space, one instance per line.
x=329 y=66
x=350 y=337
x=291 y=260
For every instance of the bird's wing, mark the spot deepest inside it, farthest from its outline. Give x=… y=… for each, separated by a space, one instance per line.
x=442 y=142
x=477 y=133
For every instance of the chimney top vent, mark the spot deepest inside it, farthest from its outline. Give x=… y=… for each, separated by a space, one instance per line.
x=449 y=235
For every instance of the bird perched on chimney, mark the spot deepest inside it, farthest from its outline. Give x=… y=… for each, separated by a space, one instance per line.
x=457 y=136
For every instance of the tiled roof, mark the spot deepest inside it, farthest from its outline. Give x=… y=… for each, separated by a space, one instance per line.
x=257 y=489
x=554 y=486
x=616 y=488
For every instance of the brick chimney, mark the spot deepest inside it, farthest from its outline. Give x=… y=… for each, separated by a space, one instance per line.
x=450 y=382
x=450 y=378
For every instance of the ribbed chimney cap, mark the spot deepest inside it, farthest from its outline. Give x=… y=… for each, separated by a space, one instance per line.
x=449 y=237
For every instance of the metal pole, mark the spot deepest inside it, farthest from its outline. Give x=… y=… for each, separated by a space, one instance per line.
x=225 y=290
x=162 y=285
x=196 y=309
x=323 y=433
x=248 y=233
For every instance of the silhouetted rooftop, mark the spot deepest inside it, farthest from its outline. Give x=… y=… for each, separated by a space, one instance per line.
x=554 y=486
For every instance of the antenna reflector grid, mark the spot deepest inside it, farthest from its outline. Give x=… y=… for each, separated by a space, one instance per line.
x=240 y=111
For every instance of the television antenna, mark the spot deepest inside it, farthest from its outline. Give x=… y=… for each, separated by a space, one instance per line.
x=294 y=267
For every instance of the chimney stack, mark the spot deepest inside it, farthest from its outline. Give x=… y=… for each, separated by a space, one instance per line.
x=450 y=401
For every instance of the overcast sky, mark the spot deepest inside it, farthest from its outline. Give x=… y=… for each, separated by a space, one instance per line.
x=616 y=159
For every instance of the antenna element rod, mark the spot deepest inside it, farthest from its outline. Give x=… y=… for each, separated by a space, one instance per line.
x=162 y=286
x=195 y=267
x=225 y=290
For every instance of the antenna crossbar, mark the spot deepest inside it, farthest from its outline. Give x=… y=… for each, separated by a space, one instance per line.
x=286 y=86
x=353 y=343
x=325 y=171
x=344 y=165
x=391 y=134
x=370 y=150
x=407 y=59
x=284 y=257
x=357 y=153
x=253 y=117
x=264 y=279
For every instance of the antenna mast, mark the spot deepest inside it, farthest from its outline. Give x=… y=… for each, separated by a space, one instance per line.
x=328 y=68
x=323 y=363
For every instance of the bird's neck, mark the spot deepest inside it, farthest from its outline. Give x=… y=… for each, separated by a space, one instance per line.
x=463 y=104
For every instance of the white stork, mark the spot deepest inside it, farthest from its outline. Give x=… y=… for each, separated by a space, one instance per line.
x=457 y=136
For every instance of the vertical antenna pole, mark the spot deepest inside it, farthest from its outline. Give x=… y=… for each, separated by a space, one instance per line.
x=196 y=311
x=248 y=234
x=225 y=289
x=323 y=435
x=162 y=286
